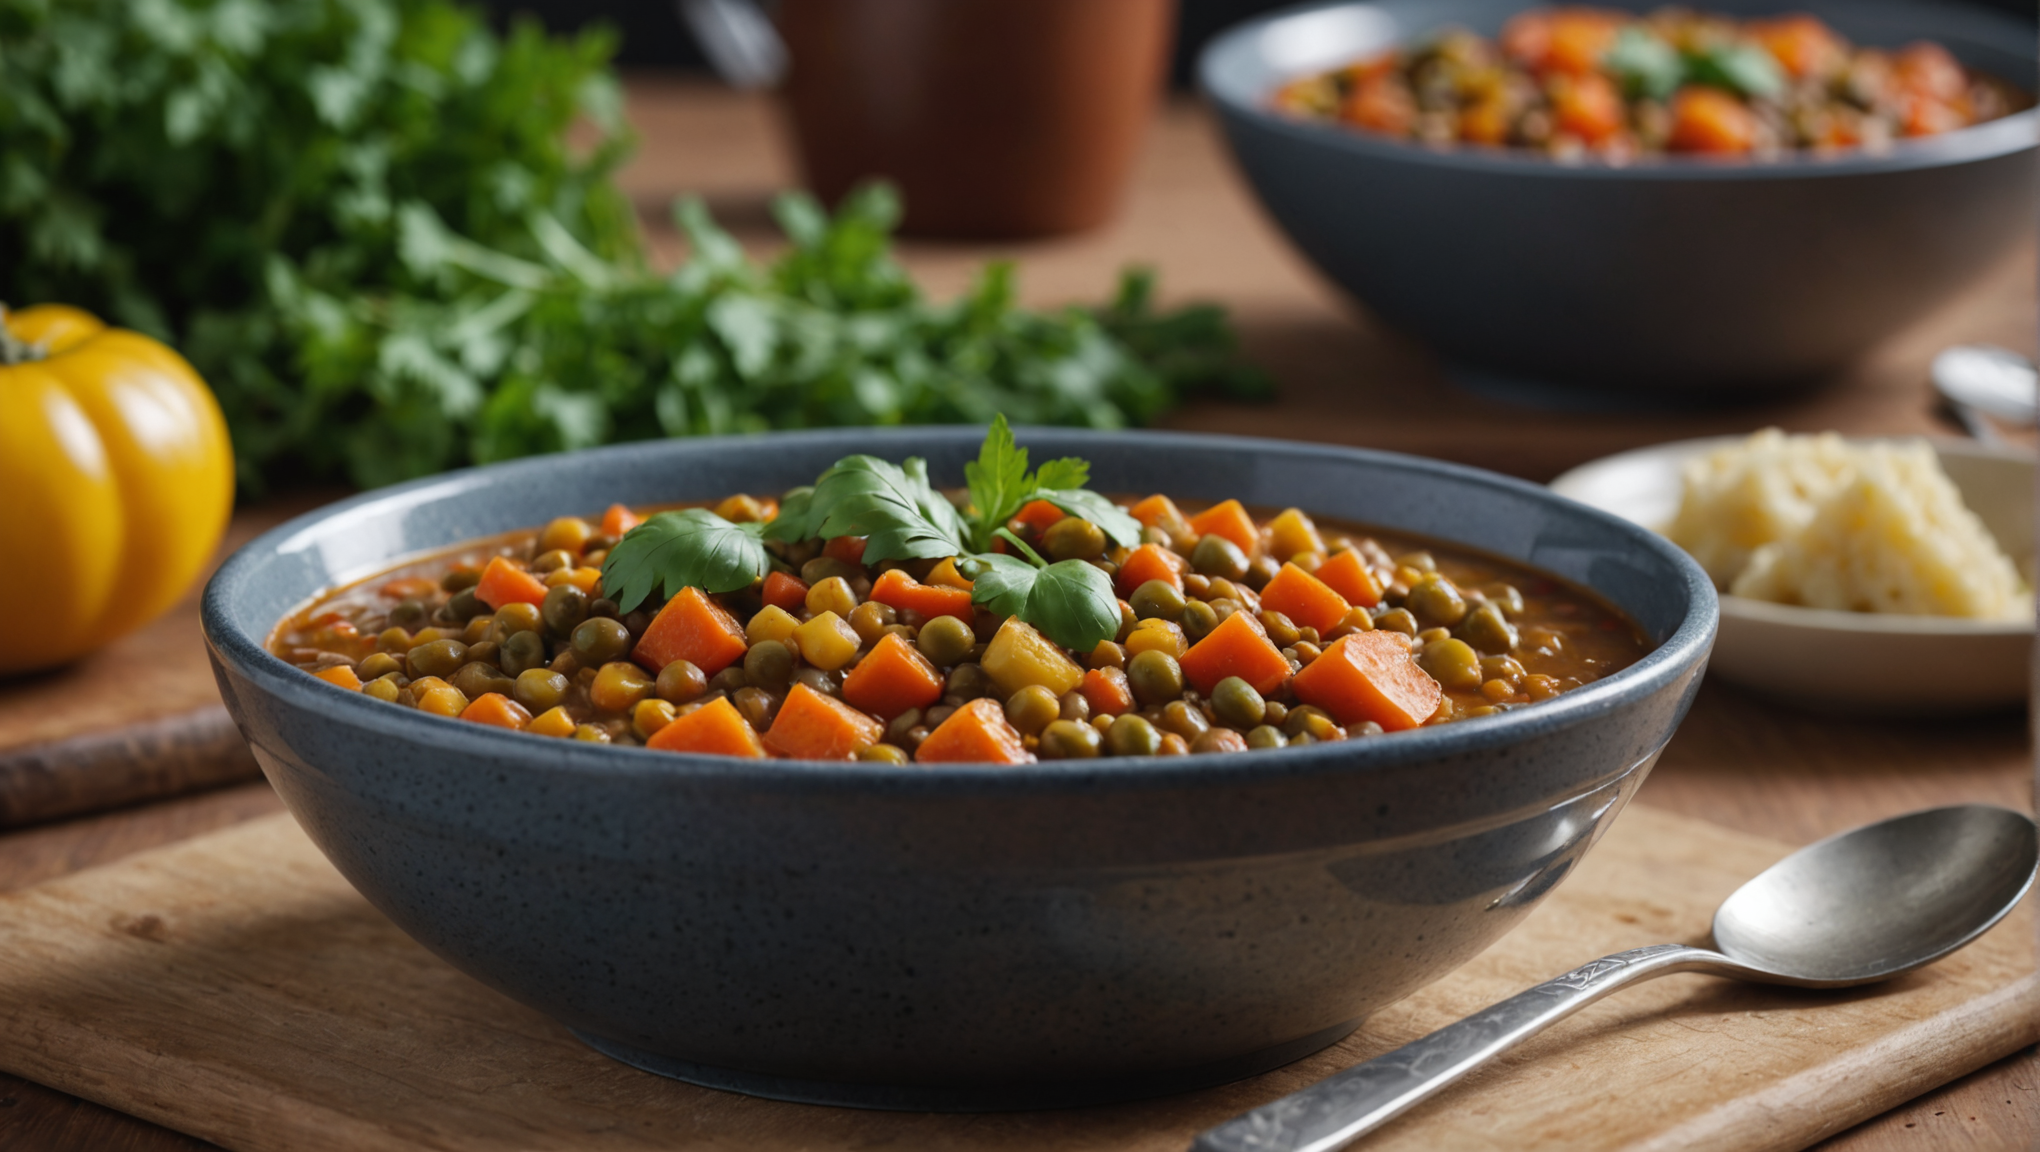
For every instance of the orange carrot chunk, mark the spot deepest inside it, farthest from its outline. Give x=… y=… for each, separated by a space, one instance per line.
x=813 y=726
x=1235 y=648
x=340 y=675
x=892 y=678
x=1151 y=562
x=499 y=710
x=1158 y=511
x=1107 y=692
x=618 y=520
x=786 y=593
x=848 y=549
x=505 y=583
x=975 y=733
x=1710 y=120
x=693 y=628
x=1369 y=676
x=1231 y=521
x=900 y=591
x=1305 y=599
x=1039 y=515
x=716 y=728
x=1349 y=576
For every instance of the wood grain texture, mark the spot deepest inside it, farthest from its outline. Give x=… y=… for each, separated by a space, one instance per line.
x=235 y=987
x=136 y=720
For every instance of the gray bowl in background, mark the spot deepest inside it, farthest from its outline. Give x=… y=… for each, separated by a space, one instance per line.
x=1677 y=276
x=957 y=936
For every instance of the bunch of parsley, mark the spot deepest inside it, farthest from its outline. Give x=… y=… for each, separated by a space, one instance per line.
x=361 y=222
x=901 y=516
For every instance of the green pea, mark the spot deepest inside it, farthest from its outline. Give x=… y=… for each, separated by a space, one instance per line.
x=376 y=666
x=1435 y=602
x=945 y=641
x=882 y=754
x=1074 y=538
x=769 y=664
x=1217 y=556
x=1452 y=663
x=1260 y=571
x=969 y=681
x=1157 y=600
x=1131 y=735
x=516 y=617
x=1309 y=721
x=564 y=608
x=1488 y=630
x=1155 y=677
x=1198 y=620
x=465 y=606
x=409 y=615
x=680 y=682
x=1069 y=740
x=1267 y=736
x=477 y=680
x=1237 y=704
x=1185 y=720
x=522 y=651
x=539 y=689
x=1505 y=597
x=599 y=641
x=439 y=658
x=1032 y=709
x=1396 y=620
x=460 y=579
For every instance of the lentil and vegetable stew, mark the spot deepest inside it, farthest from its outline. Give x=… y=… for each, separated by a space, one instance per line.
x=872 y=617
x=1576 y=81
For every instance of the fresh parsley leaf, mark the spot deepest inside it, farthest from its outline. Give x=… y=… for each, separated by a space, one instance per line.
x=693 y=547
x=1745 y=69
x=1119 y=527
x=1645 y=64
x=796 y=520
x=1071 y=602
x=1068 y=472
x=893 y=508
x=998 y=481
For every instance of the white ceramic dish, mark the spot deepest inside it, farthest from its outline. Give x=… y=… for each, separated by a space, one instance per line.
x=1852 y=661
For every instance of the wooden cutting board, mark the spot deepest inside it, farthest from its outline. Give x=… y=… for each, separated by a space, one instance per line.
x=236 y=988
x=138 y=719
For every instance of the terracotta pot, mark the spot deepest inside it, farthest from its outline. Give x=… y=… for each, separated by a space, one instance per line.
x=995 y=118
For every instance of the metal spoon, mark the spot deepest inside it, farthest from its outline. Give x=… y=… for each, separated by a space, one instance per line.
x=1863 y=906
x=1981 y=378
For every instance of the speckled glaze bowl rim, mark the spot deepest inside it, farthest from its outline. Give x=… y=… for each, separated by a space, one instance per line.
x=2004 y=136
x=1688 y=645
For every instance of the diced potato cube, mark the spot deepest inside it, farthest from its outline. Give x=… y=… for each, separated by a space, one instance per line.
x=1019 y=656
x=827 y=642
x=1293 y=532
x=771 y=623
x=1157 y=635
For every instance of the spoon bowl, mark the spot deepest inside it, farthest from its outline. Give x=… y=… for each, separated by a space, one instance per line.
x=1884 y=899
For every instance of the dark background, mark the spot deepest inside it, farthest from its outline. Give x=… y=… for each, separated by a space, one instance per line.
x=652 y=36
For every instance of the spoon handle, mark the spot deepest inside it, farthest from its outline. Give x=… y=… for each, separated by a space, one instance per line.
x=1341 y=1107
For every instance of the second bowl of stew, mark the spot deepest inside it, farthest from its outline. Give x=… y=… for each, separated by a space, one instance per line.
x=747 y=783
x=1580 y=197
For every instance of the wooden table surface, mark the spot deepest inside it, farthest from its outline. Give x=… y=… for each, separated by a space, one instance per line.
x=1738 y=760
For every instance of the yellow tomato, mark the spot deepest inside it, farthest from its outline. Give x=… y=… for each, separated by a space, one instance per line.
x=116 y=480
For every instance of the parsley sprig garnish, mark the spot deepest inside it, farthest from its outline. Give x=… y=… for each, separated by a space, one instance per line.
x=902 y=517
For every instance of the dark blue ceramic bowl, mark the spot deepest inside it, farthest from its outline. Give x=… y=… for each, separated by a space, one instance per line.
x=957 y=936
x=1675 y=276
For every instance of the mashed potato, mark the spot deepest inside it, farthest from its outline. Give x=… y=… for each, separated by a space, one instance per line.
x=1820 y=522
